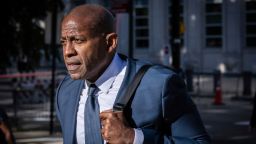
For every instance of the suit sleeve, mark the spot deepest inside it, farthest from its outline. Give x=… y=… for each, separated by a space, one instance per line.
x=181 y=121
x=57 y=106
x=57 y=109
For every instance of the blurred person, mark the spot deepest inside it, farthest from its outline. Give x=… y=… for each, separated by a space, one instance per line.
x=6 y=135
x=160 y=110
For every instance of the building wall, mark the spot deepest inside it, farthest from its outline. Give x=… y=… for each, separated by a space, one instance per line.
x=232 y=35
x=158 y=30
x=232 y=56
x=192 y=53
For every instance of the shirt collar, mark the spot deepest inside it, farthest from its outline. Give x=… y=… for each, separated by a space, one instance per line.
x=105 y=81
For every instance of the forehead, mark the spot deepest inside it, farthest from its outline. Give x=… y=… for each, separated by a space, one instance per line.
x=72 y=26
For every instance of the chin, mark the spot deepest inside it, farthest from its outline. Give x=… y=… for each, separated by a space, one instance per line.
x=75 y=76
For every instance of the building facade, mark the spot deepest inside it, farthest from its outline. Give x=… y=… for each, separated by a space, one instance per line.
x=215 y=34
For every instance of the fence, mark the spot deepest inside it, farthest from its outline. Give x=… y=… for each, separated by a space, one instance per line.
x=232 y=85
x=26 y=98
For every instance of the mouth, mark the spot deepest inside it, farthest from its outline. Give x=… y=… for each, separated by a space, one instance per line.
x=72 y=66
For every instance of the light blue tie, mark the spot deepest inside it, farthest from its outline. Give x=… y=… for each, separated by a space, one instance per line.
x=91 y=118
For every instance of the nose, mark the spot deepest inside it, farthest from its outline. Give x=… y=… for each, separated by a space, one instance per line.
x=69 y=50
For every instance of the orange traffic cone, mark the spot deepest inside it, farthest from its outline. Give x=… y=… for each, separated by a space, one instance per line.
x=218 y=96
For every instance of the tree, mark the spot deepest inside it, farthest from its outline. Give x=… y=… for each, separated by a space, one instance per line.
x=22 y=33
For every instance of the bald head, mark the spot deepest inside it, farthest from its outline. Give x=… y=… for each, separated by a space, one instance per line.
x=95 y=18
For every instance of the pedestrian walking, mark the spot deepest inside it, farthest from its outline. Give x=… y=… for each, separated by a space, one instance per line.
x=91 y=101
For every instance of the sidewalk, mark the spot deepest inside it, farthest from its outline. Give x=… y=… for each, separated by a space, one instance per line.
x=37 y=137
x=227 y=123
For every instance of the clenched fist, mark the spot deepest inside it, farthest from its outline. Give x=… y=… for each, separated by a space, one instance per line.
x=115 y=129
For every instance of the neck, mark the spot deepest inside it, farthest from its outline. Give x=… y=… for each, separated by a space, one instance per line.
x=97 y=73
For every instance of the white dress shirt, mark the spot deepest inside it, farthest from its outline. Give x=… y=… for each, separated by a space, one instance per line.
x=108 y=83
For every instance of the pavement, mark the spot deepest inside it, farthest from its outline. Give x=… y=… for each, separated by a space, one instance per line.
x=227 y=123
x=37 y=137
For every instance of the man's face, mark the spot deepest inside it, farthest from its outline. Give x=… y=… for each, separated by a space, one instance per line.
x=85 y=55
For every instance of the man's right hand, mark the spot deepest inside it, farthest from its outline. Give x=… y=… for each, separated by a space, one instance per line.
x=115 y=129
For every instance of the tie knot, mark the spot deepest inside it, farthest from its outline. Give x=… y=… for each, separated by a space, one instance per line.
x=91 y=89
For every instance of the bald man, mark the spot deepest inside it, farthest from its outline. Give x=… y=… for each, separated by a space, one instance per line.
x=159 y=112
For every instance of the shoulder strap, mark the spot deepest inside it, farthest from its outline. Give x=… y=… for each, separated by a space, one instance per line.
x=131 y=88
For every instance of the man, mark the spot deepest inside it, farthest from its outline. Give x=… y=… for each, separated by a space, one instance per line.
x=160 y=111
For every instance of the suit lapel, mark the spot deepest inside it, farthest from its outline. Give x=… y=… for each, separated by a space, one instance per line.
x=77 y=93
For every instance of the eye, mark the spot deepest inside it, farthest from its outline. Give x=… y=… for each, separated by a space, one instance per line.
x=63 y=42
x=78 y=40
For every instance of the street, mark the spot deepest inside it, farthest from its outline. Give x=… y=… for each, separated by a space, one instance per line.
x=227 y=123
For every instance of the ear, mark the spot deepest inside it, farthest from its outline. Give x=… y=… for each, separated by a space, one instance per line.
x=111 y=40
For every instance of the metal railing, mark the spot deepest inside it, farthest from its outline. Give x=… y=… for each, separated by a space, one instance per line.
x=232 y=85
x=26 y=100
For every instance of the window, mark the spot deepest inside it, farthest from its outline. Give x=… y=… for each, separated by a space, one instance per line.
x=250 y=23
x=182 y=27
x=141 y=24
x=213 y=22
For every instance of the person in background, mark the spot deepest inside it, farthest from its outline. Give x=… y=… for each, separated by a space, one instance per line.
x=6 y=135
x=160 y=110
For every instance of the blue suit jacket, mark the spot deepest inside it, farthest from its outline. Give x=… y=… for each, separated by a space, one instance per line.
x=160 y=107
